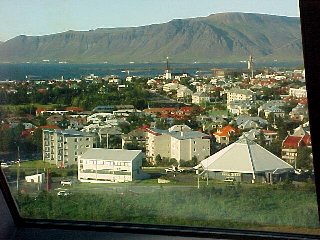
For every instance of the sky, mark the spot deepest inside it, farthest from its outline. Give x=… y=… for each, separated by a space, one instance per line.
x=41 y=17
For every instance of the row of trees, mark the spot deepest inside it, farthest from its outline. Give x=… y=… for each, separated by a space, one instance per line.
x=85 y=94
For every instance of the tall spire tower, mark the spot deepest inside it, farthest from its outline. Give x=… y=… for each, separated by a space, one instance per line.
x=250 y=65
x=167 y=72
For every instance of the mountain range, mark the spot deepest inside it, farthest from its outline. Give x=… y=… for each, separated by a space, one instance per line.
x=223 y=37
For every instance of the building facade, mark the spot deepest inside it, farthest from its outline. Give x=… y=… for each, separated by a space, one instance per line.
x=298 y=92
x=110 y=165
x=235 y=94
x=62 y=147
x=200 y=97
x=183 y=144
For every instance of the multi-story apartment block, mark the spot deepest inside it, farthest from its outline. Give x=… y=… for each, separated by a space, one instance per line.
x=62 y=147
x=235 y=94
x=298 y=92
x=178 y=142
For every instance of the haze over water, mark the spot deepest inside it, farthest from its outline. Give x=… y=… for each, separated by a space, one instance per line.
x=70 y=71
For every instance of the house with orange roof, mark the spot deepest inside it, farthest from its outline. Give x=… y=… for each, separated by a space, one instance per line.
x=223 y=135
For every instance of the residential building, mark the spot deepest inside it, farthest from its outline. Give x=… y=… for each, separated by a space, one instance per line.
x=274 y=107
x=110 y=165
x=248 y=125
x=240 y=94
x=276 y=111
x=183 y=92
x=136 y=138
x=291 y=145
x=298 y=92
x=239 y=107
x=169 y=87
x=200 y=97
x=299 y=113
x=99 y=117
x=62 y=147
x=178 y=142
x=245 y=118
x=210 y=123
x=267 y=136
x=300 y=138
x=223 y=135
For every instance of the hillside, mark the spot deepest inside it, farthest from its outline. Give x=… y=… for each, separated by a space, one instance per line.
x=220 y=37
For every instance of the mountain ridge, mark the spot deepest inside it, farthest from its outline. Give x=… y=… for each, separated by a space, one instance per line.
x=219 y=37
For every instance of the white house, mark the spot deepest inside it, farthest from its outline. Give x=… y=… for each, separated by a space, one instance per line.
x=110 y=165
x=183 y=92
x=200 y=97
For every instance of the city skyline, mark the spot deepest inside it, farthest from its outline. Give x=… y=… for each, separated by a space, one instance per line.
x=36 y=18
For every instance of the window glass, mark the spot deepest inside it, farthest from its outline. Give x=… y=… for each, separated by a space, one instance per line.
x=142 y=91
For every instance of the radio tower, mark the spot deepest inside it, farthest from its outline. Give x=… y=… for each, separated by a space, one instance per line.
x=250 y=65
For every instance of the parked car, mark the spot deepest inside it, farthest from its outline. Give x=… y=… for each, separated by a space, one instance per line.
x=66 y=182
x=229 y=179
x=174 y=169
x=63 y=193
x=4 y=165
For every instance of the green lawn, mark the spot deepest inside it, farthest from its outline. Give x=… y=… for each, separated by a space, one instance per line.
x=265 y=207
x=280 y=207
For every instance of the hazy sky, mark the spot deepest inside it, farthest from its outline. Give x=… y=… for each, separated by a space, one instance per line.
x=40 y=17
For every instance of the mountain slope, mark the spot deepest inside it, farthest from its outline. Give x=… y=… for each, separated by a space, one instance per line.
x=216 y=38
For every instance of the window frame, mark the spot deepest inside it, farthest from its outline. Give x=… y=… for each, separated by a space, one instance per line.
x=310 y=21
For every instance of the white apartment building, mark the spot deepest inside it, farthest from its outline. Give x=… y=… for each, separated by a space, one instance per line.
x=298 y=92
x=182 y=144
x=235 y=94
x=62 y=147
x=110 y=165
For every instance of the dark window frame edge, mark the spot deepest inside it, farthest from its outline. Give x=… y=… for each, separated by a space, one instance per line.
x=311 y=61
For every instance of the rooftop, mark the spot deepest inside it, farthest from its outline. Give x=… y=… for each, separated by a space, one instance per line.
x=110 y=154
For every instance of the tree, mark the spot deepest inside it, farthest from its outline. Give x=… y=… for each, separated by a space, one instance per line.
x=158 y=160
x=253 y=111
x=262 y=114
x=113 y=142
x=275 y=147
x=304 y=160
x=261 y=139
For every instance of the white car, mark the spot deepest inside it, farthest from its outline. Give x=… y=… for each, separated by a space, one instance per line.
x=4 y=165
x=63 y=193
x=66 y=182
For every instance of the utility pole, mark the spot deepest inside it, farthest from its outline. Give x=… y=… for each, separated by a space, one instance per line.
x=18 y=168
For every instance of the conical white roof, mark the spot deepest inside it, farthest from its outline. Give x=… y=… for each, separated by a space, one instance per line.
x=245 y=156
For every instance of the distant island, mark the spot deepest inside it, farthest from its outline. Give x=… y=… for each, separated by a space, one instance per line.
x=223 y=37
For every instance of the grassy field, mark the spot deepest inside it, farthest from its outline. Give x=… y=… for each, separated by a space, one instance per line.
x=263 y=207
